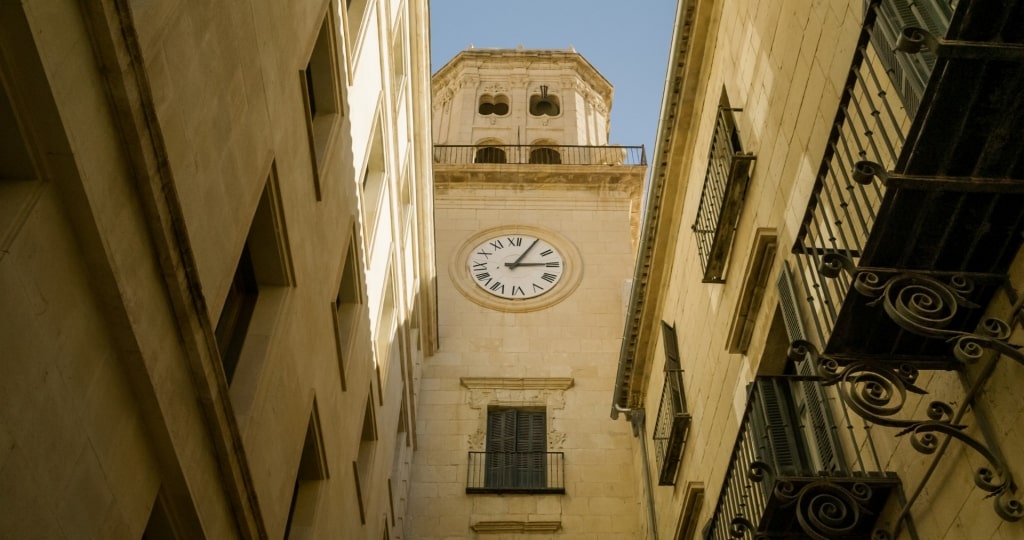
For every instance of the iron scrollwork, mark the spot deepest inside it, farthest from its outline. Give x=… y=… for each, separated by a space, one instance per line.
x=877 y=392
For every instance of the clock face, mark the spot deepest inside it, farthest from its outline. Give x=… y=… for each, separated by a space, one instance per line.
x=515 y=266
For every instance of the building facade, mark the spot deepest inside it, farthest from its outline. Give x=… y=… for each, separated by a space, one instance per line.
x=216 y=267
x=536 y=225
x=826 y=320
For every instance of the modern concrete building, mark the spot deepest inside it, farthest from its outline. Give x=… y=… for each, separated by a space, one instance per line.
x=536 y=219
x=826 y=319
x=216 y=267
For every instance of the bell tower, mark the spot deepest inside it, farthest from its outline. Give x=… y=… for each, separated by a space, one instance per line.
x=536 y=223
x=521 y=97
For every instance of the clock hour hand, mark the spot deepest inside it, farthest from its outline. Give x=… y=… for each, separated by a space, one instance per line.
x=515 y=263
x=528 y=264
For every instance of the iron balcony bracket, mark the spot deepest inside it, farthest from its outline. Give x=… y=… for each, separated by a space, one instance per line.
x=913 y=40
x=876 y=390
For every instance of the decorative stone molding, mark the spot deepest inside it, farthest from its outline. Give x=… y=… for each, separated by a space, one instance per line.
x=556 y=439
x=528 y=527
x=547 y=391
x=477 y=441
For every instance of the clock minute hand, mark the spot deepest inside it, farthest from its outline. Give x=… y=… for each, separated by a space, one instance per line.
x=515 y=263
x=528 y=264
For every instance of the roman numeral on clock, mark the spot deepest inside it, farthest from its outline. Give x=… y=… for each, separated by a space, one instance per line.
x=479 y=266
x=515 y=241
x=496 y=243
x=498 y=287
x=546 y=252
x=550 y=278
x=518 y=290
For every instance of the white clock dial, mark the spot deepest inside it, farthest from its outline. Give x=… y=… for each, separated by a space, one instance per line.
x=515 y=266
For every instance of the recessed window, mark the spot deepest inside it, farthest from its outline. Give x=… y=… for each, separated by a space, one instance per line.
x=312 y=471
x=321 y=94
x=348 y=307
x=262 y=276
x=545 y=104
x=546 y=156
x=497 y=105
x=356 y=12
x=490 y=154
x=367 y=446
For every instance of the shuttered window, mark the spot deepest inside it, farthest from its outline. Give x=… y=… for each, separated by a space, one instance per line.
x=516 y=448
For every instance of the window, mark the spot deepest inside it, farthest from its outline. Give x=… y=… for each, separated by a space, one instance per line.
x=673 y=422
x=547 y=156
x=754 y=284
x=375 y=184
x=398 y=68
x=311 y=472
x=721 y=200
x=489 y=154
x=544 y=104
x=363 y=466
x=496 y=105
x=17 y=172
x=321 y=94
x=263 y=275
x=516 y=449
x=349 y=307
x=356 y=12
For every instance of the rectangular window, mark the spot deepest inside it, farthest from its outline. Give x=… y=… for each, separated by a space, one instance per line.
x=263 y=275
x=516 y=449
x=721 y=200
x=673 y=421
x=321 y=91
x=311 y=472
x=349 y=307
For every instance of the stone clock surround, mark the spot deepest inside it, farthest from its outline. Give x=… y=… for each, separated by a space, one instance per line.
x=572 y=273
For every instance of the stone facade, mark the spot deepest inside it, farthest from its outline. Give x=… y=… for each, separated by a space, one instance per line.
x=784 y=68
x=216 y=267
x=552 y=353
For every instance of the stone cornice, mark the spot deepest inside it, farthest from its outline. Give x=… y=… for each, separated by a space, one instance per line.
x=517 y=383
x=539 y=527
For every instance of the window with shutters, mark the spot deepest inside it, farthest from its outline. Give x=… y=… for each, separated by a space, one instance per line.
x=516 y=457
x=673 y=422
x=516 y=448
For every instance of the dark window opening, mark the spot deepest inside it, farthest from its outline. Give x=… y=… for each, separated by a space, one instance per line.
x=236 y=314
x=544 y=105
x=490 y=154
x=548 y=156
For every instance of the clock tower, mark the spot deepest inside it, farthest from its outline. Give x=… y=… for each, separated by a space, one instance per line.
x=536 y=225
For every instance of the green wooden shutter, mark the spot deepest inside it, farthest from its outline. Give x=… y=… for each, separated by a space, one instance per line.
x=501 y=443
x=531 y=445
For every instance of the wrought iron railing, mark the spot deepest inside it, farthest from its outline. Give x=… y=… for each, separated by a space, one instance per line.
x=671 y=427
x=539 y=154
x=725 y=186
x=510 y=472
x=878 y=103
x=790 y=475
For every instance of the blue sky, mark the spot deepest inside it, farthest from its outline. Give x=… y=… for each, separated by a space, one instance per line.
x=627 y=42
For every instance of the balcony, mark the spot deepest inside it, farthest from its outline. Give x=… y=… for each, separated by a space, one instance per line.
x=516 y=472
x=793 y=473
x=917 y=177
x=915 y=216
x=671 y=427
x=524 y=154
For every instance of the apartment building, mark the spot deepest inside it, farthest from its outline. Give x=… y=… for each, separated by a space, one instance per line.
x=826 y=320
x=216 y=267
